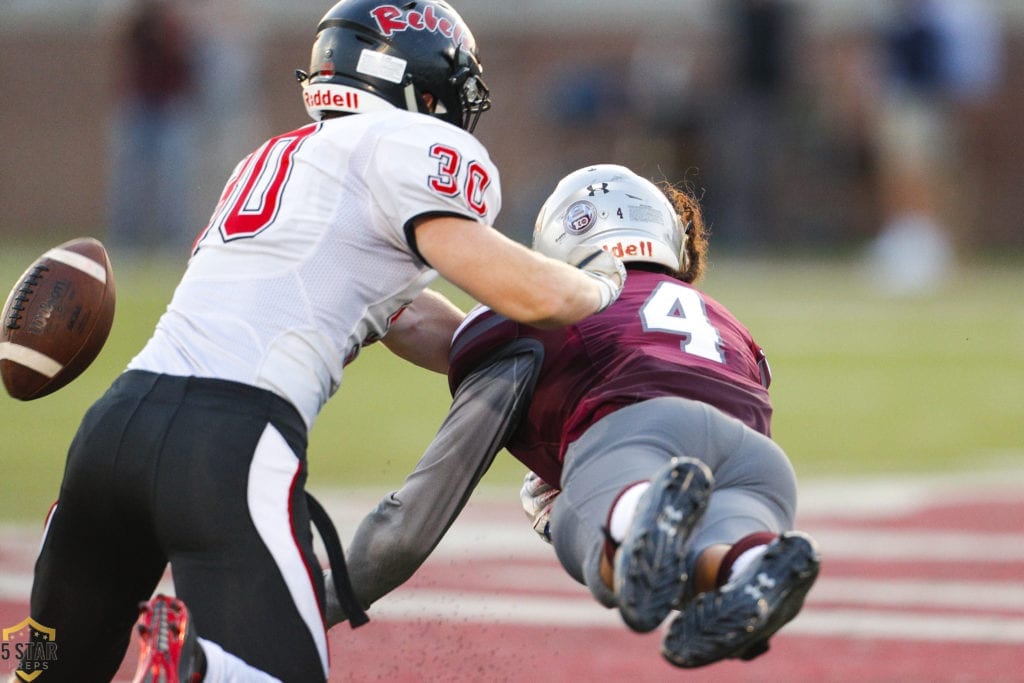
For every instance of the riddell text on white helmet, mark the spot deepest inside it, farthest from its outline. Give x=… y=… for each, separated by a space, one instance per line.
x=630 y=249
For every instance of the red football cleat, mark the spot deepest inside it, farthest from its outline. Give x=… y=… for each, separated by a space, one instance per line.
x=168 y=649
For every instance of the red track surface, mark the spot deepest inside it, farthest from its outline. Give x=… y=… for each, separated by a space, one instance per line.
x=923 y=591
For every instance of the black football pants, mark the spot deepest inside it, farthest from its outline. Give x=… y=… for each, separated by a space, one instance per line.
x=209 y=476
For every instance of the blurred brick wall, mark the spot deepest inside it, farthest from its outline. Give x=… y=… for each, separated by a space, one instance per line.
x=58 y=94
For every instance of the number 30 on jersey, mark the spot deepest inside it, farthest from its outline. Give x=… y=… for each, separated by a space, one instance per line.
x=252 y=197
x=446 y=181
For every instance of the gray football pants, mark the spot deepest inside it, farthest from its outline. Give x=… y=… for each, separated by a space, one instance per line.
x=754 y=483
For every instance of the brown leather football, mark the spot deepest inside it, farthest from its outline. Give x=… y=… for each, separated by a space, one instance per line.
x=56 y=319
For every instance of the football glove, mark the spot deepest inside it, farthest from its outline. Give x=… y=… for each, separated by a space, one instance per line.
x=537 y=497
x=604 y=267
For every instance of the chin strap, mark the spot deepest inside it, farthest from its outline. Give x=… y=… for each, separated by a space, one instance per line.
x=336 y=556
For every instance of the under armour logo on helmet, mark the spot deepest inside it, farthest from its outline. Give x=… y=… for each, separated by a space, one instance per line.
x=602 y=188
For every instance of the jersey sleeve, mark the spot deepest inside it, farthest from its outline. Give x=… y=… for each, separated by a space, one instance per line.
x=430 y=167
x=393 y=541
x=474 y=342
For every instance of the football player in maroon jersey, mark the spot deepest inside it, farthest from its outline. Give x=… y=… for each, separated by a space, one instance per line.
x=646 y=431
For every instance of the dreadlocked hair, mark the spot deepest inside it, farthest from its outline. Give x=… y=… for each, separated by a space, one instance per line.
x=688 y=207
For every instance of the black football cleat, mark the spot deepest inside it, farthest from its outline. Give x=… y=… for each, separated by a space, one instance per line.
x=649 y=570
x=736 y=621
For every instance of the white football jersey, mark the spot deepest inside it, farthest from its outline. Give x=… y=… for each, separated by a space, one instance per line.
x=307 y=257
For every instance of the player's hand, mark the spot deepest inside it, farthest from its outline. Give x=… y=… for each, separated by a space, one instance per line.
x=604 y=267
x=537 y=497
x=334 y=613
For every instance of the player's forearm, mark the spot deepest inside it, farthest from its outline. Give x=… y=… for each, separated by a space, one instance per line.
x=517 y=282
x=392 y=541
x=389 y=546
x=542 y=292
x=422 y=334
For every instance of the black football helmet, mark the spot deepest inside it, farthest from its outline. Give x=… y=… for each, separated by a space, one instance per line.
x=370 y=55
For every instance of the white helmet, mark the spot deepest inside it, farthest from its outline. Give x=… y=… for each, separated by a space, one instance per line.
x=611 y=207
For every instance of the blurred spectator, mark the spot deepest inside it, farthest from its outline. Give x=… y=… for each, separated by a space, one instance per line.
x=941 y=58
x=752 y=130
x=666 y=93
x=153 y=138
x=227 y=63
x=581 y=105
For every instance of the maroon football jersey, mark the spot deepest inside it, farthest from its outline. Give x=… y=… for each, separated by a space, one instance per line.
x=662 y=337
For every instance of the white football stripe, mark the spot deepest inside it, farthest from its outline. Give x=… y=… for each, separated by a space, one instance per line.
x=31 y=359
x=272 y=476
x=82 y=263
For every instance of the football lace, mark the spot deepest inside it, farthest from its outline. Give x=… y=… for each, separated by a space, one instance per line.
x=22 y=297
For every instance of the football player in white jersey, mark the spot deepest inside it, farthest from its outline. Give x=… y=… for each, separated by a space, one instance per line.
x=323 y=241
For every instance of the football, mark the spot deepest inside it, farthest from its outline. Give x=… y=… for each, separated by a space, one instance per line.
x=56 y=318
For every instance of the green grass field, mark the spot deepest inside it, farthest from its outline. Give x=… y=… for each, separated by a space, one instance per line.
x=863 y=384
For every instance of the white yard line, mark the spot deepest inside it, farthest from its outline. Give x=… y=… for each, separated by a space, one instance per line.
x=875 y=496
x=918 y=546
x=988 y=596
x=458 y=607
x=889 y=625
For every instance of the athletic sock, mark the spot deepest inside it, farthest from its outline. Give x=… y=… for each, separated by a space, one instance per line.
x=620 y=516
x=742 y=553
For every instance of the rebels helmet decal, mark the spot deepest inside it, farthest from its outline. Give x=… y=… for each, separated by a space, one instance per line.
x=391 y=20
